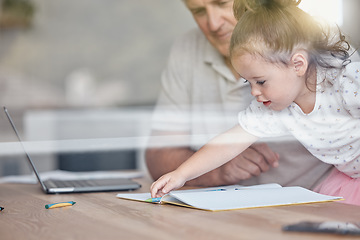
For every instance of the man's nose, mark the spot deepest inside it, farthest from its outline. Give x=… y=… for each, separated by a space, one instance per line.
x=215 y=19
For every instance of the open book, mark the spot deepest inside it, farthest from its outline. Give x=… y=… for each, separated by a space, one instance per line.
x=235 y=197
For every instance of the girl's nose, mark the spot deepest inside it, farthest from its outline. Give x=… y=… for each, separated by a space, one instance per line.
x=255 y=92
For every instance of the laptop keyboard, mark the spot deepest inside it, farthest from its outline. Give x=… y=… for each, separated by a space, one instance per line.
x=83 y=183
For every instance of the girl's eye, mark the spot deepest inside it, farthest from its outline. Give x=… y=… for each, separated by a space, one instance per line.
x=260 y=82
x=245 y=81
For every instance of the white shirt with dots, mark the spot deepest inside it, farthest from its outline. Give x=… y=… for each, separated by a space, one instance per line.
x=331 y=132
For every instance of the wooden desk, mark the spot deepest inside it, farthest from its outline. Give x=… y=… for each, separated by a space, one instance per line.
x=103 y=216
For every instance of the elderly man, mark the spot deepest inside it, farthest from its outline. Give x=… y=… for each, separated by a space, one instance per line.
x=200 y=97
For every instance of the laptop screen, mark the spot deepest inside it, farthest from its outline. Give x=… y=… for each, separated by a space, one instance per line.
x=23 y=147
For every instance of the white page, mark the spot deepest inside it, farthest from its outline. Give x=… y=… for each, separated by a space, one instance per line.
x=145 y=196
x=250 y=198
x=135 y=196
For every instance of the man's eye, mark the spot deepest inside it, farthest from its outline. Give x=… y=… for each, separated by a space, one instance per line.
x=199 y=11
x=221 y=3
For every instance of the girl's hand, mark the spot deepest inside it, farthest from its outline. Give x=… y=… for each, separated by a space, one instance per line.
x=167 y=183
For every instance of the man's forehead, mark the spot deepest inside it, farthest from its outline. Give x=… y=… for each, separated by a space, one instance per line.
x=200 y=3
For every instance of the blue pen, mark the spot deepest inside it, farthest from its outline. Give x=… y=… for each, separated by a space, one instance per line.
x=153 y=200
x=213 y=190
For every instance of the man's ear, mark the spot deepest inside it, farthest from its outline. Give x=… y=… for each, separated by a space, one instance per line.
x=299 y=61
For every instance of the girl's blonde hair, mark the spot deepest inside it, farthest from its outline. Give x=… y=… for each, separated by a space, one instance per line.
x=275 y=29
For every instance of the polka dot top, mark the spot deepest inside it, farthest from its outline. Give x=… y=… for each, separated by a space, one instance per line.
x=331 y=132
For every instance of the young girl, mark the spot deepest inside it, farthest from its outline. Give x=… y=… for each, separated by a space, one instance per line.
x=303 y=85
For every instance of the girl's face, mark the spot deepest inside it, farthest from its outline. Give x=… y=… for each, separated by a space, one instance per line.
x=275 y=85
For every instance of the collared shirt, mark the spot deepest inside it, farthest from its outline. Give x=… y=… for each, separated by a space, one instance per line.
x=200 y=95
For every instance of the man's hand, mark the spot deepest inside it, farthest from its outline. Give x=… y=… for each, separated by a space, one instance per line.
x=258 y=158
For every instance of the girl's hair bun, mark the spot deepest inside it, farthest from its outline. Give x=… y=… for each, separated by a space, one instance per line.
x=241 y=6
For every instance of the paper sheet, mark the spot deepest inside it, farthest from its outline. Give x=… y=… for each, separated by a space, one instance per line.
x=237 y=197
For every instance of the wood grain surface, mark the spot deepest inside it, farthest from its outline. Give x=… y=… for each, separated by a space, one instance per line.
x=103 y=216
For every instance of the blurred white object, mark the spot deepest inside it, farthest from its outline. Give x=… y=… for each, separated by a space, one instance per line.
x=80 y=88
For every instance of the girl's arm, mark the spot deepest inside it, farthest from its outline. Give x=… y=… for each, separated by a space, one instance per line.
x=215 y=153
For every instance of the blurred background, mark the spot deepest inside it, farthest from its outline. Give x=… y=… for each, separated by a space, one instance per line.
x=80 y=78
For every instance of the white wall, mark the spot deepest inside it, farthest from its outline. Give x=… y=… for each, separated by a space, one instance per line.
x=85 y=54
x=351 y=23
x=118 y=46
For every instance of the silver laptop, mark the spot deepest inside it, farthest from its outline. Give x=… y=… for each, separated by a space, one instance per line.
x=76 y=186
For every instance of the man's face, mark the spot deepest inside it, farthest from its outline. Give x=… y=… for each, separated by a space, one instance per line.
x=216 y=20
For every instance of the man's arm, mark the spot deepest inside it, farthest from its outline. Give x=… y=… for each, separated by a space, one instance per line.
x=252 y=162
